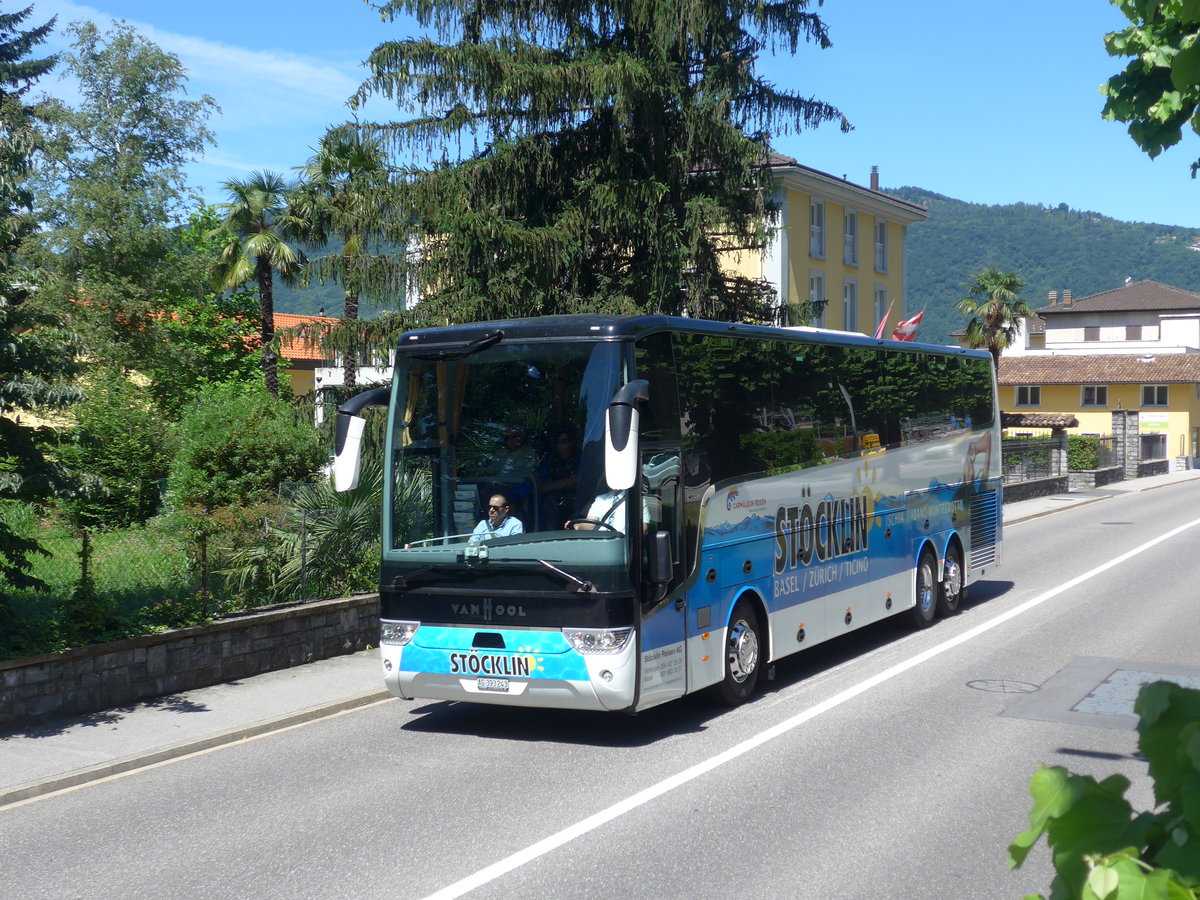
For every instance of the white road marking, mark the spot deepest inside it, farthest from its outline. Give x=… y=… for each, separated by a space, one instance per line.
x=592 y=822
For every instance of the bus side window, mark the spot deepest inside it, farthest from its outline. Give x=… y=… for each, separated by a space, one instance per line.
x=656 y=363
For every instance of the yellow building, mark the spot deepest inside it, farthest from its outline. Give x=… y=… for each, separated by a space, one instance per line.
x=839 y=246
x=1164 y=389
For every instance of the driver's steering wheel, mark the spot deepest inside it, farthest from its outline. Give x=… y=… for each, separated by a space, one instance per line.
x=570 y=525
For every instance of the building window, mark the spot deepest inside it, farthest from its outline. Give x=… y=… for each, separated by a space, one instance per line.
x=1154 y=395
x=1153 y=446
x=816 y=297
x=850 y=305
x=1133 y=332
x=1029 y=395
x=850 y=254
x=816 y=229
x=1094 y=395
x=881 y=248
x=1091 y=333
x=879 y=302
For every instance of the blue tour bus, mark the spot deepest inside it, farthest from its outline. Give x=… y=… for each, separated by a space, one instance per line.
x=790 y=484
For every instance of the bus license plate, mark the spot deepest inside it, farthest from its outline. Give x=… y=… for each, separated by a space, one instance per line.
x=493 y=684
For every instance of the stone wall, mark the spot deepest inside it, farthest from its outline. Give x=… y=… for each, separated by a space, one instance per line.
x=1150 y=467
x=1015 y=491
x=1092 y=478
x=106 y=676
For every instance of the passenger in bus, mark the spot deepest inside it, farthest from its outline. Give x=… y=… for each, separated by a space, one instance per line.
x=608 y=511
x=514 y=461
x=498 y=522
x=557 y=476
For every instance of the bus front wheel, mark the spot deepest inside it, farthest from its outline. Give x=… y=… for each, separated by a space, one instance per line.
x=927 y=589
x=743 y=656
x=950 y=593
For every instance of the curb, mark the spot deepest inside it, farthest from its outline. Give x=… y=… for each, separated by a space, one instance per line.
x=54 y=783
x=1072 y=504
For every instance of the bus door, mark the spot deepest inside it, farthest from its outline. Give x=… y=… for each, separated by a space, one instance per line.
x=663 y=611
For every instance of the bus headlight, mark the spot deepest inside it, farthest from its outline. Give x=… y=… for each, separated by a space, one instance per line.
x=397 y=633
x=598 y=640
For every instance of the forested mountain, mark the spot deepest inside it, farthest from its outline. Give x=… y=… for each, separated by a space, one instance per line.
x=1051 y=248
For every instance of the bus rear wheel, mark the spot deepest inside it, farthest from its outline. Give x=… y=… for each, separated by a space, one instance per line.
x=927 y=590
x=950 y=593
x=743 y=657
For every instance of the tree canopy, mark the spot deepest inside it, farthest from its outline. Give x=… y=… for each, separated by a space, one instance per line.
x=1158 y=92
x=995 y=308
x=112 y=189
x=257 y=230
x=587 y=156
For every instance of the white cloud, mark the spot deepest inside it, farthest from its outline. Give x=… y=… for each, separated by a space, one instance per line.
x=248 y=73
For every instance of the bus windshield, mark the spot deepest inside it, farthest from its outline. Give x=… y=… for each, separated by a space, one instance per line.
x=514 y=426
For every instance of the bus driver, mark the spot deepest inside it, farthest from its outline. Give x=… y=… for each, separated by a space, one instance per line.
x=498 y=522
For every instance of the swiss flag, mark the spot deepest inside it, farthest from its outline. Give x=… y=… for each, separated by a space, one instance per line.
x=907 y=330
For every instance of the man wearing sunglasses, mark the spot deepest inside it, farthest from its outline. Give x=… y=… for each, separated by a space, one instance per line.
x=498 y=522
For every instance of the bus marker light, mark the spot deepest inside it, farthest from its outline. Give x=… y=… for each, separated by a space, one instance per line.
x=704 y=637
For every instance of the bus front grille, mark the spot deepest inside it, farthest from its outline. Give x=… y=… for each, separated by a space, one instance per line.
x=985 y=518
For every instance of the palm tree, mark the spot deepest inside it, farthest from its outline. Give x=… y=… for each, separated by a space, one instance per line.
x=995 y=309
x=257 y=228
x=341 y=186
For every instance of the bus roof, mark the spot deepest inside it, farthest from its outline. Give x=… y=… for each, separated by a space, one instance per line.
x=610 y=327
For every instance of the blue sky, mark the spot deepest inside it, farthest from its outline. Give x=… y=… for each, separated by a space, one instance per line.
x=984 y=102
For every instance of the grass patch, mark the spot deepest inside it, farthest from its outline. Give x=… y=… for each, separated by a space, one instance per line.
x=141 y=580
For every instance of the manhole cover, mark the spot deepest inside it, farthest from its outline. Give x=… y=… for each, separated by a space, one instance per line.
x=997 y=686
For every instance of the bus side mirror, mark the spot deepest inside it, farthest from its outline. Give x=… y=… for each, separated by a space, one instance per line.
x=347 y=442
x=662 y=565
x=621 y=469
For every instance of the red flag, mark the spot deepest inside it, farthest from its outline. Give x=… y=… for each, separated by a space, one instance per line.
x=883 y=323
x=907 y=330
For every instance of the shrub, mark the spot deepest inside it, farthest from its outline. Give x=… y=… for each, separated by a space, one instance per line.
x=121 y=446
x=1083 y=452
x=237 y=444
x=1101 y=849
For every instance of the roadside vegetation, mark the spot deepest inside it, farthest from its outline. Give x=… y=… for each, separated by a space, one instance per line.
x=1104 y=849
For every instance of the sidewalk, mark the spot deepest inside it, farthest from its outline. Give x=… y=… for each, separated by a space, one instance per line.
x=42 y=757
x=1041 y=506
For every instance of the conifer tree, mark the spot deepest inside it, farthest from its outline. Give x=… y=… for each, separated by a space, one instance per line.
x=588 y=155
x=37 y=356
x=20 y=136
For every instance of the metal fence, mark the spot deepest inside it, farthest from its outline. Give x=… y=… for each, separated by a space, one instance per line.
x=293 y=556
x=1026 y=459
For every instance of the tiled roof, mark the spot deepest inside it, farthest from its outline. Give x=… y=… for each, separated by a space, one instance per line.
x=1141 y=295
x=1038 y=420
x=1167 y=368
x=300 y=348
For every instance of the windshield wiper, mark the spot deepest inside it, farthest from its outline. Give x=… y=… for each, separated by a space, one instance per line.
x=401 y=582
x=480 y=343
x=581 y=586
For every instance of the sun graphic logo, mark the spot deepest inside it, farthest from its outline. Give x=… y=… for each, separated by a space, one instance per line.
x=534 y=661
x=730 y=499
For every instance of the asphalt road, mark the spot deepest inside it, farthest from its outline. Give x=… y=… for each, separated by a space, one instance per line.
x=888 y=764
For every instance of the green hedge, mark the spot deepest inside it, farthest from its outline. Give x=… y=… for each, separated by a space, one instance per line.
x=1083 y=452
